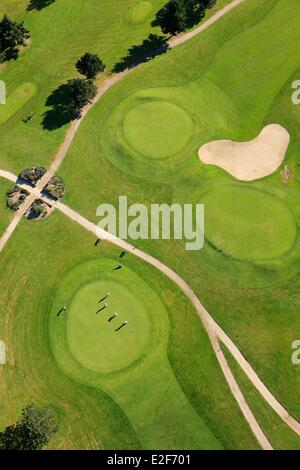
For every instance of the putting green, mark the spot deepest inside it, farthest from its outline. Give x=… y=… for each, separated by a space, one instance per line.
x=131 y=365
x=248 y=224
x=16 y=100
x=157 y=129
x=140 y=11
x=88 y=337
x=93 y=340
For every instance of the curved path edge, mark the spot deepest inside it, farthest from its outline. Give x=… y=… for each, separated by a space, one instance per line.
x=205 y=318
x=214 y=331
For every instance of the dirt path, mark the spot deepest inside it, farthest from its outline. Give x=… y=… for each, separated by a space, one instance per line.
x=187 y=36
x=237 y=393
x=19 y=214
x=104 y=87
x=210 y=324
x=206 y=319
x=110 y=82
x=214 y=331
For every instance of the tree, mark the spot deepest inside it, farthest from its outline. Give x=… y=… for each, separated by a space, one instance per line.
x=166 y=18
x=38 y=209
x=32 y=432
x=80 y=92
x=89 y=65
x=12 y=35
x=32 y=174
x=15 y=197
x=179 y=15
x=39 y=4
x=55 y=187
x=151 y=47
x=182 y=12
x=207 y=3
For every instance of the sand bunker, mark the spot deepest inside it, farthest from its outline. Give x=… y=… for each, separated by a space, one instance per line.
x=248 y=161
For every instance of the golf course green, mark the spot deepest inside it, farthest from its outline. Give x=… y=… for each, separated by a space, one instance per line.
x=60 y=34
x=248 y=224
x=121 y=355
x=94 y=342
x=16 y=100
x=126 y=364
x=157 y=129
x=92 y=338
x=140 y=11
x=231 y=89
x=129 y=408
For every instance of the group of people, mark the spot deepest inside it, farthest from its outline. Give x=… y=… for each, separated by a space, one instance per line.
x=112 y=317
x=105 y=305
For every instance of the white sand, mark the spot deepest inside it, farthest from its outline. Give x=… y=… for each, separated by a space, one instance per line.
x=248 y=161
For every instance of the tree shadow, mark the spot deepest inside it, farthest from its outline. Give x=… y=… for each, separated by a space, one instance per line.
x=11 y=53
x=166 y=18
x=60 y=114
x=22 y=181
x=39 y=4
x=151 y=47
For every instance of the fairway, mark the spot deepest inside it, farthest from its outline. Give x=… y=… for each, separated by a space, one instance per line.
x=61 y=33
x=233 y=85
x=140 y=342
x=128 y=363
x=157 y=129
x=248 y=224
x=93 y=339
x=16 y=100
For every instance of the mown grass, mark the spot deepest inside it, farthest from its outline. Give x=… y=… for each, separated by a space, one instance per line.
x=248 y=224
x=92 y=339
x=128 y=363
x=88 y=418
x=13 y=8
x=16 y=100
x=155 y=137
x=140 y=11
x=279 y=434
x=233 y=90
x=60 y=34
x=35 y=260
